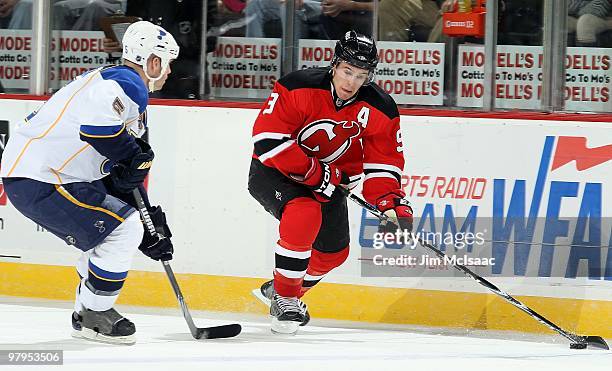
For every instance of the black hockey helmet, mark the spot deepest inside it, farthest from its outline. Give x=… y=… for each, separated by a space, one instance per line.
x=358 y=50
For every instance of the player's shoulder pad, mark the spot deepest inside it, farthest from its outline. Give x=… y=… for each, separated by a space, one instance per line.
x=379 y=99
x=313 y=78
x=130 y=82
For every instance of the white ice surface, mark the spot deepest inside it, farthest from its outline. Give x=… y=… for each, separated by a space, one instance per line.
x=164 y=343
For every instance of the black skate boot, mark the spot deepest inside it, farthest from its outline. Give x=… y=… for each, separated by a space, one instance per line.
x=107 y=326
x=76 y=321
x=266 y=292
x=287 y=314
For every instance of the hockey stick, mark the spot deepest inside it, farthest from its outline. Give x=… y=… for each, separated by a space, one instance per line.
x=214 y=332
x=577 y=341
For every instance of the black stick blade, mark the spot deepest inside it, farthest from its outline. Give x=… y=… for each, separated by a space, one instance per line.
x=218 y=332
x=596 y=342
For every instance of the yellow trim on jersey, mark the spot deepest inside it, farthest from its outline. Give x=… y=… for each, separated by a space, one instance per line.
x=59 y=178
x=104 y=136
x=70 y=198
x=72 y=158
x=50 y=127
x=106 y=279
x=130 y=122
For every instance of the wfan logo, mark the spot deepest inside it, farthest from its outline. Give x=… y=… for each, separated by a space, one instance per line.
x=520 y=215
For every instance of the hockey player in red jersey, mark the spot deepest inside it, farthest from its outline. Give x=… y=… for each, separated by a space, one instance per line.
x=320 y=131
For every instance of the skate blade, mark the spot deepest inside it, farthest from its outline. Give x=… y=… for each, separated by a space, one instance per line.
x=91 y=335
x=257 y=293
x=284 y=327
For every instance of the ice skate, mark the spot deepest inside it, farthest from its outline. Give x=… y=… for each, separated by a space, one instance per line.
x=287 y=314
x=107 y=326
x=266 y=292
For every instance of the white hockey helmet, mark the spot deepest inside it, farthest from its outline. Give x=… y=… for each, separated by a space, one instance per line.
x=143 y=39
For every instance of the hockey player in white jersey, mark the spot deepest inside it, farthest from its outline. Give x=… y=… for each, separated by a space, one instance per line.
x=72 y=166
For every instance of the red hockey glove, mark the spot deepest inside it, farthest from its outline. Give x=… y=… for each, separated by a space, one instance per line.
x=397 y=209
x=323 y=179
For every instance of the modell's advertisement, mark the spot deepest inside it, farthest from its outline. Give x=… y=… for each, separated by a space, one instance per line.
x=244 y=67
x=72 y=53
x=588 y=77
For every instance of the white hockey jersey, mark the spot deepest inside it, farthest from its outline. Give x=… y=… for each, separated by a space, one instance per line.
x=57 y=144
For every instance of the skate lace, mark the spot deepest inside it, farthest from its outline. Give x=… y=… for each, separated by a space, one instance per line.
x=303 y=306
x=288 y=304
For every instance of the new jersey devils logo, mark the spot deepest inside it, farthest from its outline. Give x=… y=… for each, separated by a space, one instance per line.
x=327 y=139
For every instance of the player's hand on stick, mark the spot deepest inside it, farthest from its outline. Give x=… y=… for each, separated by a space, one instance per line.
x=129 y=174
x=324 y=180
x=398 y=210
x=157 y=247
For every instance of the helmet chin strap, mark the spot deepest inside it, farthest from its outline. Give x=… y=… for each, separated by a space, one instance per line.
x=339 y=102
x=152 y=80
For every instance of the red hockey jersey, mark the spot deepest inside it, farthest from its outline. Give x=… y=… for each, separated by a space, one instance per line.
x=301 y=120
